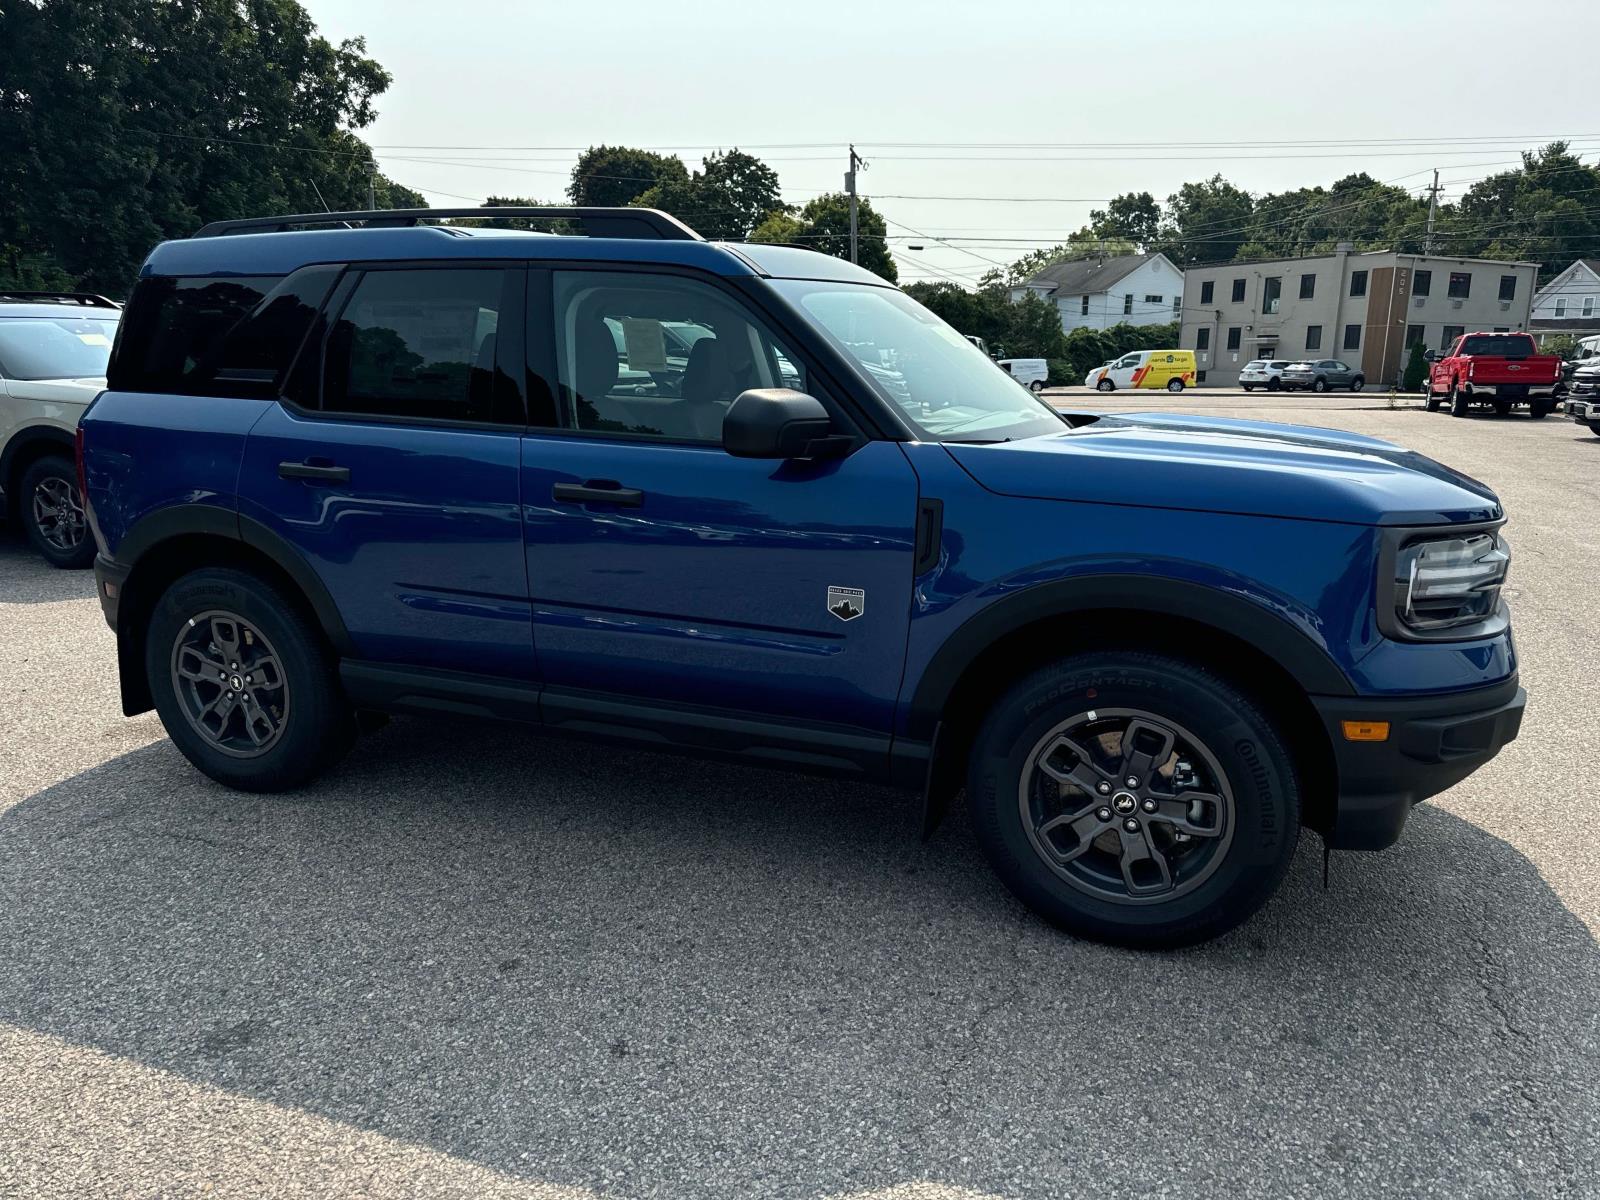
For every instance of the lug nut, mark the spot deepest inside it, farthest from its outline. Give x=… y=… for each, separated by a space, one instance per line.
x=1102 y=787
x=1132 y=781
x=1149 y=806
x=1131 y=825
x=1104 y=814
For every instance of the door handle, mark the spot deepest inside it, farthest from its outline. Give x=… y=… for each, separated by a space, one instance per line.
x=304 y=470
x=597 y=491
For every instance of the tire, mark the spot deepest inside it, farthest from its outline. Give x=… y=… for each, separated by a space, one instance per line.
x=51 y=513
x=1036 y=386
x=1540 y=409
x=1237 y=758
x=1433 y=400
x=1358 y=383
x=1174 y=385
x=1105 y=385
x=1274 y=385
x=1319 y=384
x=1249 y=387
x=311 y=725
x=1458 y=401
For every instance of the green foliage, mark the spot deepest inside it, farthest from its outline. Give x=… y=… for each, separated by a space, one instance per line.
x=1131 y=217
x=1547 y=212
x=1416 y=369
x=981 y=314
x=1088 y=348
x=824 y=224
x=614 y=176
x=1033 y=329
x=1205 y=221
x=1564 y=344
x=726 y=199
x=124 y=122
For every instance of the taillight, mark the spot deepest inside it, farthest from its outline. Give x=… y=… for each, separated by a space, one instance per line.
x=1471 y=363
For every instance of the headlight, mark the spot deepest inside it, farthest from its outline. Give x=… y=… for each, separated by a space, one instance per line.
x=1450 y=582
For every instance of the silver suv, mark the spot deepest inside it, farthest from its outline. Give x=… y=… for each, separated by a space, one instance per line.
x=1321 y=375
x=53 y=352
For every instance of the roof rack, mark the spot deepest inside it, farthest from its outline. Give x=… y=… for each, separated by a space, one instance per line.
x=86 y=299
x=596 y=222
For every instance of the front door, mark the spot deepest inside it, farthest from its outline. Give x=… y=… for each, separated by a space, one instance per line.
x=667 y=572
x=1124 y=370
x=396 y=475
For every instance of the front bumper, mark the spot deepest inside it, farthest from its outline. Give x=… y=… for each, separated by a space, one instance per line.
x=1585 y=412
x=1434 y=743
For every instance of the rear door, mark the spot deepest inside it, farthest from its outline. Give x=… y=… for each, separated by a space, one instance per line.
x=392 y=466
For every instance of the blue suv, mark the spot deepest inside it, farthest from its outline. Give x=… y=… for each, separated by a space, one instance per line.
x=750 y=501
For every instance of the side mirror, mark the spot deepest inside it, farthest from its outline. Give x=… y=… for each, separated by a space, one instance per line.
x=1430 y=356
x=779 y=423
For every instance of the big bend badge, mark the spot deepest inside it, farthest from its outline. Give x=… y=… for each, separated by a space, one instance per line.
x=846 y=603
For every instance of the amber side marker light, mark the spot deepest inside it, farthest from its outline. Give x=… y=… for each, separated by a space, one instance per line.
x=1366 y=731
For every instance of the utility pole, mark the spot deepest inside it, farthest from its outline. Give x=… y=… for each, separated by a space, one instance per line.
x=372 y=191
x=850 y=186
x=1433 y=207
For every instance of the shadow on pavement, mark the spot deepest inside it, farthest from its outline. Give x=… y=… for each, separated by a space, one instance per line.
x=645 y=974
x=31 y=580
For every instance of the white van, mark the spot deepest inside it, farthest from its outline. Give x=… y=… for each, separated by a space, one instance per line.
x=1030 y=372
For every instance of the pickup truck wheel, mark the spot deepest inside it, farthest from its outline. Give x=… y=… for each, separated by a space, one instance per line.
x=52 y=513
x=1433 y=400
x=1540 y=409
x=1134 y=798
x=1105 y=385
x=1319 y=384
x=244 y=685
x=1458 y=402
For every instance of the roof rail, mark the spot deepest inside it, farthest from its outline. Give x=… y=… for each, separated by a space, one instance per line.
x=596 y=222
x=86 y=299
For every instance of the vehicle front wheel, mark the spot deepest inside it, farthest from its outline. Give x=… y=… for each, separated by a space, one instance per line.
x=1433 y=400
x=1274 y=385
x=1319 y=385
x=1105 y=385
x=52 y=513
x=1358 y=383
x=1134 y=798
x=1174 y=385
x=245 y=686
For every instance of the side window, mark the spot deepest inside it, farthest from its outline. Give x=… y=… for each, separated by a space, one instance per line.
x=662 y=356
x=173 y=326
x=1207 y=290
x=420 y=345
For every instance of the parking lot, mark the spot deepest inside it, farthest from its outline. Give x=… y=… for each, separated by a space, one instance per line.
x=478 y=962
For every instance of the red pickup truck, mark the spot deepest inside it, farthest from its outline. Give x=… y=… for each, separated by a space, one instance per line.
x=1502 y=369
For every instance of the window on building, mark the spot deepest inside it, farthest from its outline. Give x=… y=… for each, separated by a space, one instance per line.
x=1358 y=283
x=1177 y=305
x=1421 y=282
x=1561 y=307
x=1233 y=337
x=1208 y=291
x=1449 y=334
x=418 y=345
x=1155 y=299
x=1271 y=291
x=1415 y=334
x=1460 y=285
x=1202 y=339
x=1083 y=305
x=1308 y=286
x=1352 y=337
x=1313 y=337
x=1127 y=305
x=1508 y=287
x=1588 y=306
x=1238 y=291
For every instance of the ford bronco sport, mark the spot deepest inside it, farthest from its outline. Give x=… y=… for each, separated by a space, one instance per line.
x=751 y=501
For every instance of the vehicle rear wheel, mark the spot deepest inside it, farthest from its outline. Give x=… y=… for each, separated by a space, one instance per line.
x=1105 y=385
x=1274 y=385
x=1540 y=409
x=52 y=512
x=245 y=686
x=1358 y=383
x=1319 y=384
x=1134 y=798
x=1174 y=385
x=1458 y=402
x=1249 y=387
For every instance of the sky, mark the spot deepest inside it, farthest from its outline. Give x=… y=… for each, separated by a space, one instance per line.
x=989 y=128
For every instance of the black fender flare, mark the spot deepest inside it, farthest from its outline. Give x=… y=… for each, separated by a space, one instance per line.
x=1247 y=620
x=29 y=436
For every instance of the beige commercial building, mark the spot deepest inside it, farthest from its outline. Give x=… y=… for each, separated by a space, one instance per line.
x=1363 y=309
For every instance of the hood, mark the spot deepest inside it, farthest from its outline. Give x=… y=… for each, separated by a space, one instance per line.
x=62 y=391
x=1216 y=464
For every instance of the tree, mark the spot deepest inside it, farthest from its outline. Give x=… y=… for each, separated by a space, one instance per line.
x=725 y=200
x=1206 y=222
x=1547 y=212
x=1416 y=369
x=614 y=176
x=125 y=122
x=824 y=224
x=980 y=314
x=1131 y=217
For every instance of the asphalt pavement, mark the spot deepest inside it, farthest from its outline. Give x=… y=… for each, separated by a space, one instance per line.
x=479 y=962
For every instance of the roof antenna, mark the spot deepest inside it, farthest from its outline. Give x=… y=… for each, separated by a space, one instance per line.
x=323 y=202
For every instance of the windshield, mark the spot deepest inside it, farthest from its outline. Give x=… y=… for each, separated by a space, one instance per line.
x=55 y=347
x=945 y=386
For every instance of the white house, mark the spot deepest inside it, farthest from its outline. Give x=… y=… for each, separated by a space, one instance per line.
x=1099 y=292
x=1569 y=303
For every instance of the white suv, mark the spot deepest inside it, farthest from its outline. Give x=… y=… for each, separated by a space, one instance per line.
x=1263 y=372
x=53 y=352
